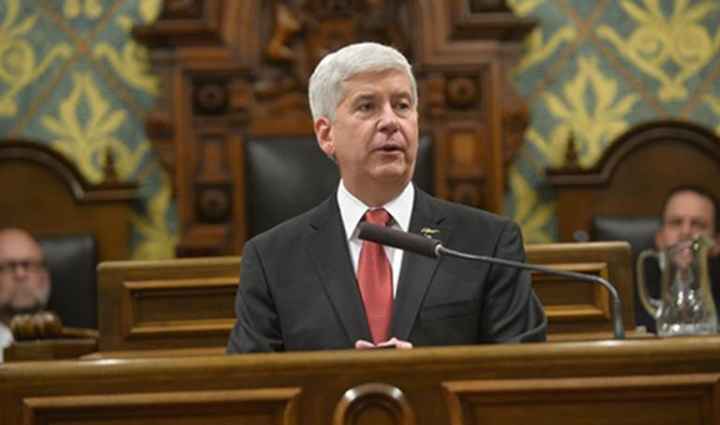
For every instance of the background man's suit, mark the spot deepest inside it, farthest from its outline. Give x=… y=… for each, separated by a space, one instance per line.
x=298 y=290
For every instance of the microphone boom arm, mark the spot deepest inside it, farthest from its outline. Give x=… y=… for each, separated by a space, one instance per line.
x=618 y=329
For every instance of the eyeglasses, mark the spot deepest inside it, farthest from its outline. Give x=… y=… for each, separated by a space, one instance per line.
x=11 y=266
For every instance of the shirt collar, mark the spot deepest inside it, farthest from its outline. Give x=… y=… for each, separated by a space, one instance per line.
x=352 y=209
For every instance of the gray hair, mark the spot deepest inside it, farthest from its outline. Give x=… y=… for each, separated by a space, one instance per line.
x=325 y=91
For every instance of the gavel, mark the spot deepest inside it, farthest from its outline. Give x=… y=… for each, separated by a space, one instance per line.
x=40 y=325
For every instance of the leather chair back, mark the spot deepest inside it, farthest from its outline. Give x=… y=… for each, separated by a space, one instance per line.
x=286 y=177
x=72 y=262
x=638 y=231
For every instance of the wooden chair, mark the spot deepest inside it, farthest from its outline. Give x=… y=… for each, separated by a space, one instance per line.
x=77 y=224
x=633 y=177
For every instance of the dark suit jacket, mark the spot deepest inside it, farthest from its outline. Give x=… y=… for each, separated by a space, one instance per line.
x=298 y=289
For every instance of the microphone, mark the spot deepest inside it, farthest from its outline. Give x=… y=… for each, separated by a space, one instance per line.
x=434 y=249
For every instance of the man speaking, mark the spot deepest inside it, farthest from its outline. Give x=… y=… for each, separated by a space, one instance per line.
x=311 y=284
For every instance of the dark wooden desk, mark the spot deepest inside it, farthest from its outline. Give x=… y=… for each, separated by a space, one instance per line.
x=672 y=381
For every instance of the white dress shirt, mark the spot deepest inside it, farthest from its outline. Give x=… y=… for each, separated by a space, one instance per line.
x=6 y=339
x=352 y=211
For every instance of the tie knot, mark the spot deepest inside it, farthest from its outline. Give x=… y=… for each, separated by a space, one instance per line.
x=378 y=216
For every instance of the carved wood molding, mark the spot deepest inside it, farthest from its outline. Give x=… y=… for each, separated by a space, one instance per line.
x=82 y=190
x=638 y=137
x=237 y=70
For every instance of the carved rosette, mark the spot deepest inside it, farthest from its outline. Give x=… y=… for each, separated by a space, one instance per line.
x=210 y=97
x=374 y=403
x=463 y=92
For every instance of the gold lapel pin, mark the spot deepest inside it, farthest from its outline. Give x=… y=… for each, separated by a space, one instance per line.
x=429 y=232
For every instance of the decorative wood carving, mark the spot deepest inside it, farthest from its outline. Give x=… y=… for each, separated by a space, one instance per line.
x=374 y=403
x=236 y=70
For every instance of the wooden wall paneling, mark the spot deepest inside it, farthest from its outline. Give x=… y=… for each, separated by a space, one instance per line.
x=241 y=69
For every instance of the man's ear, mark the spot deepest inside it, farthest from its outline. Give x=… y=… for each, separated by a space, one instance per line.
x=323 y=134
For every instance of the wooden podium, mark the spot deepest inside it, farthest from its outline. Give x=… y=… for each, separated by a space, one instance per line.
x=189 y=303
x=657 y=381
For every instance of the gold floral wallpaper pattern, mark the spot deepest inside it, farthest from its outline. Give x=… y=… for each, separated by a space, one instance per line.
x=71 y=76
x=597 y=68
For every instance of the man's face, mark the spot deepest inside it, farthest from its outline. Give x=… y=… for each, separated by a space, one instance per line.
x=24 y=281
x=686 y=215
x=374 y=137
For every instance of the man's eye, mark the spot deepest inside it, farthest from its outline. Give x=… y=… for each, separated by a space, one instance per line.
x=365 y=107
x=699 y=225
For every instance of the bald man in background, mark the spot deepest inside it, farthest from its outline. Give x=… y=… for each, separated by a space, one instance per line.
x=24 y=279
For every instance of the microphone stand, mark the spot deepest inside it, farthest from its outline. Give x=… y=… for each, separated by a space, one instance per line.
x=618 y=329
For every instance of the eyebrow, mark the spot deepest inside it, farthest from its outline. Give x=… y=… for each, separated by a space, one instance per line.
x=373 y=94
x=363 y=96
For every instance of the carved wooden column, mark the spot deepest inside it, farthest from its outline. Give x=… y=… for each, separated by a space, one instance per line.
x=234 y=69
x=465 y=53
x=205 y=53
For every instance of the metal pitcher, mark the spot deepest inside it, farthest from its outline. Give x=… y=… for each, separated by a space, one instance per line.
x=686 y=306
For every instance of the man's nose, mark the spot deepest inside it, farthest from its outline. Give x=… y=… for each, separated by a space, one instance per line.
x=686 y=230
x=388 y=119
x=21 y=270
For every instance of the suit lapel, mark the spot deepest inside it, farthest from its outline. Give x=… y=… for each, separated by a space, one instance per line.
x=417 y=271
x=329 y=249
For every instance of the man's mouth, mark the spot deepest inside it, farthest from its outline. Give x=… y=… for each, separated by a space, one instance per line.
x=390 y=147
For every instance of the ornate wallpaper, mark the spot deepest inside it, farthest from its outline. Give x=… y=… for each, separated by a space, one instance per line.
x=596 y=68
x=71 y=76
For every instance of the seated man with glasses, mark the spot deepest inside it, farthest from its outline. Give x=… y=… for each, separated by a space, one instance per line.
x=24 y=279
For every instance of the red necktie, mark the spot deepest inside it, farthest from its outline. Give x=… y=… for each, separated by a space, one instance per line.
x=375 y=280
